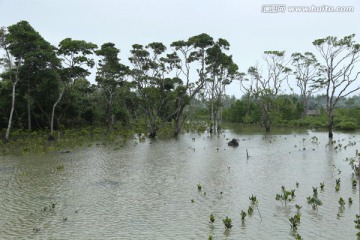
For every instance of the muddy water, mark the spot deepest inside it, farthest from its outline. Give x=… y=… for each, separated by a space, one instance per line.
x=149 y=190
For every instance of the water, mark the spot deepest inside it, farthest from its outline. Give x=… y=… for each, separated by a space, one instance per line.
x=145 y=190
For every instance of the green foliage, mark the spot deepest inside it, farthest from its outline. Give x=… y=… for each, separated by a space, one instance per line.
x=357 y=225
x=285 y=196
x=341 y=202
x=250 y=211
x=253 y=199
x=295 y=221
x=60 y=167
x=243 y=214
x=227 y=222
x=314 y=201
x=212 y=218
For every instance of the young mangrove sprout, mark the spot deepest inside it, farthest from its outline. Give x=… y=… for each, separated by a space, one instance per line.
x=298 y=237
x=297 y=184
x=357 y=225
x=210 y=237
x=350 y=201
x=341 y=202
x=199 y=186
x=315 y=192
x=227 y=222
x=253 y=199
x=354 y=182
x=314 y=201
x=322 y=185
x=212 y=218
x=298 y=207
x=295 y=221
x=285 y=196
x=243 y=215
x=250 y=211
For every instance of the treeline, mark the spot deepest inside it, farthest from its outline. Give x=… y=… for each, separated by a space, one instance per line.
x=288 y=111
x=47 y=87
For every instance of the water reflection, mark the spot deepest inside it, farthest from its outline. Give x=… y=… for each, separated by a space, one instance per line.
x=145 y=190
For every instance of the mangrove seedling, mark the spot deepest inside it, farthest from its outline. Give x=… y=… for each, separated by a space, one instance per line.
x=286 y=196
x=314 y=201
x=315 y=192
x=227 y=222
x=212 y=218
x=337 y=188
x=292 y=193
x=250 y=211
x=243 y=215
x=210 y=237
x=322 y=185
x=192 y=200
x=354 y=182
x=297 y=184
x=199 y=186
x=253 y=199
x=298 y=207
x=295 y=221
x=338 y=181
x=341 y=202
x=298 y=237
x=60 y=167
x=357 y=225
x=350 y=201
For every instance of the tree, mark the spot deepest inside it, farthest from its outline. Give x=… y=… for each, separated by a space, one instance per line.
x=267 y=88
x=74 y=55
x=158 y=93
x=307 y=72
x=340 y=57
x=110 y=75
x=222 y=71
x=185 y=54
x=13 y=75
x=36 y=61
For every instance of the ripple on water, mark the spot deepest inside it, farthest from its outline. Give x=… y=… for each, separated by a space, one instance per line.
x=144 y=191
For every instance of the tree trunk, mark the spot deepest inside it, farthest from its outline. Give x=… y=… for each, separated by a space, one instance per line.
x=29 y=108
x=330 y=123
x=51 y=137
x=7 y=135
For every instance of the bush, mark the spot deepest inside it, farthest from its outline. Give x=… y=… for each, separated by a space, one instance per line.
x=346 y=125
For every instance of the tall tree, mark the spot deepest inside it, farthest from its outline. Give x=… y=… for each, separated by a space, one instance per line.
x=308 y=71
x=110 y=75
x=157 y=91
x=13 y=74
x=269 y=86
x=341 y=57
x=185 y=55
x=35 y=58
x=222 y=71
x=76 y=59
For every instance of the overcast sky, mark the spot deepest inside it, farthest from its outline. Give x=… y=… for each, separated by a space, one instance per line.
x=249 y=30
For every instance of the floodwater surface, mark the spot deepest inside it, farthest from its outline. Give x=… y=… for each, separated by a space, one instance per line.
x=148 y=190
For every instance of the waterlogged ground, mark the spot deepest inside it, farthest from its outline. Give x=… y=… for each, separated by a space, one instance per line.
x=148 y=190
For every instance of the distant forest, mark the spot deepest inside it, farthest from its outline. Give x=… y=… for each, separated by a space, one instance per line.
x=46 y=87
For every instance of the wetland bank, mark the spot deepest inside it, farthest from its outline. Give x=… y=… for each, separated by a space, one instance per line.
x=149 y=188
